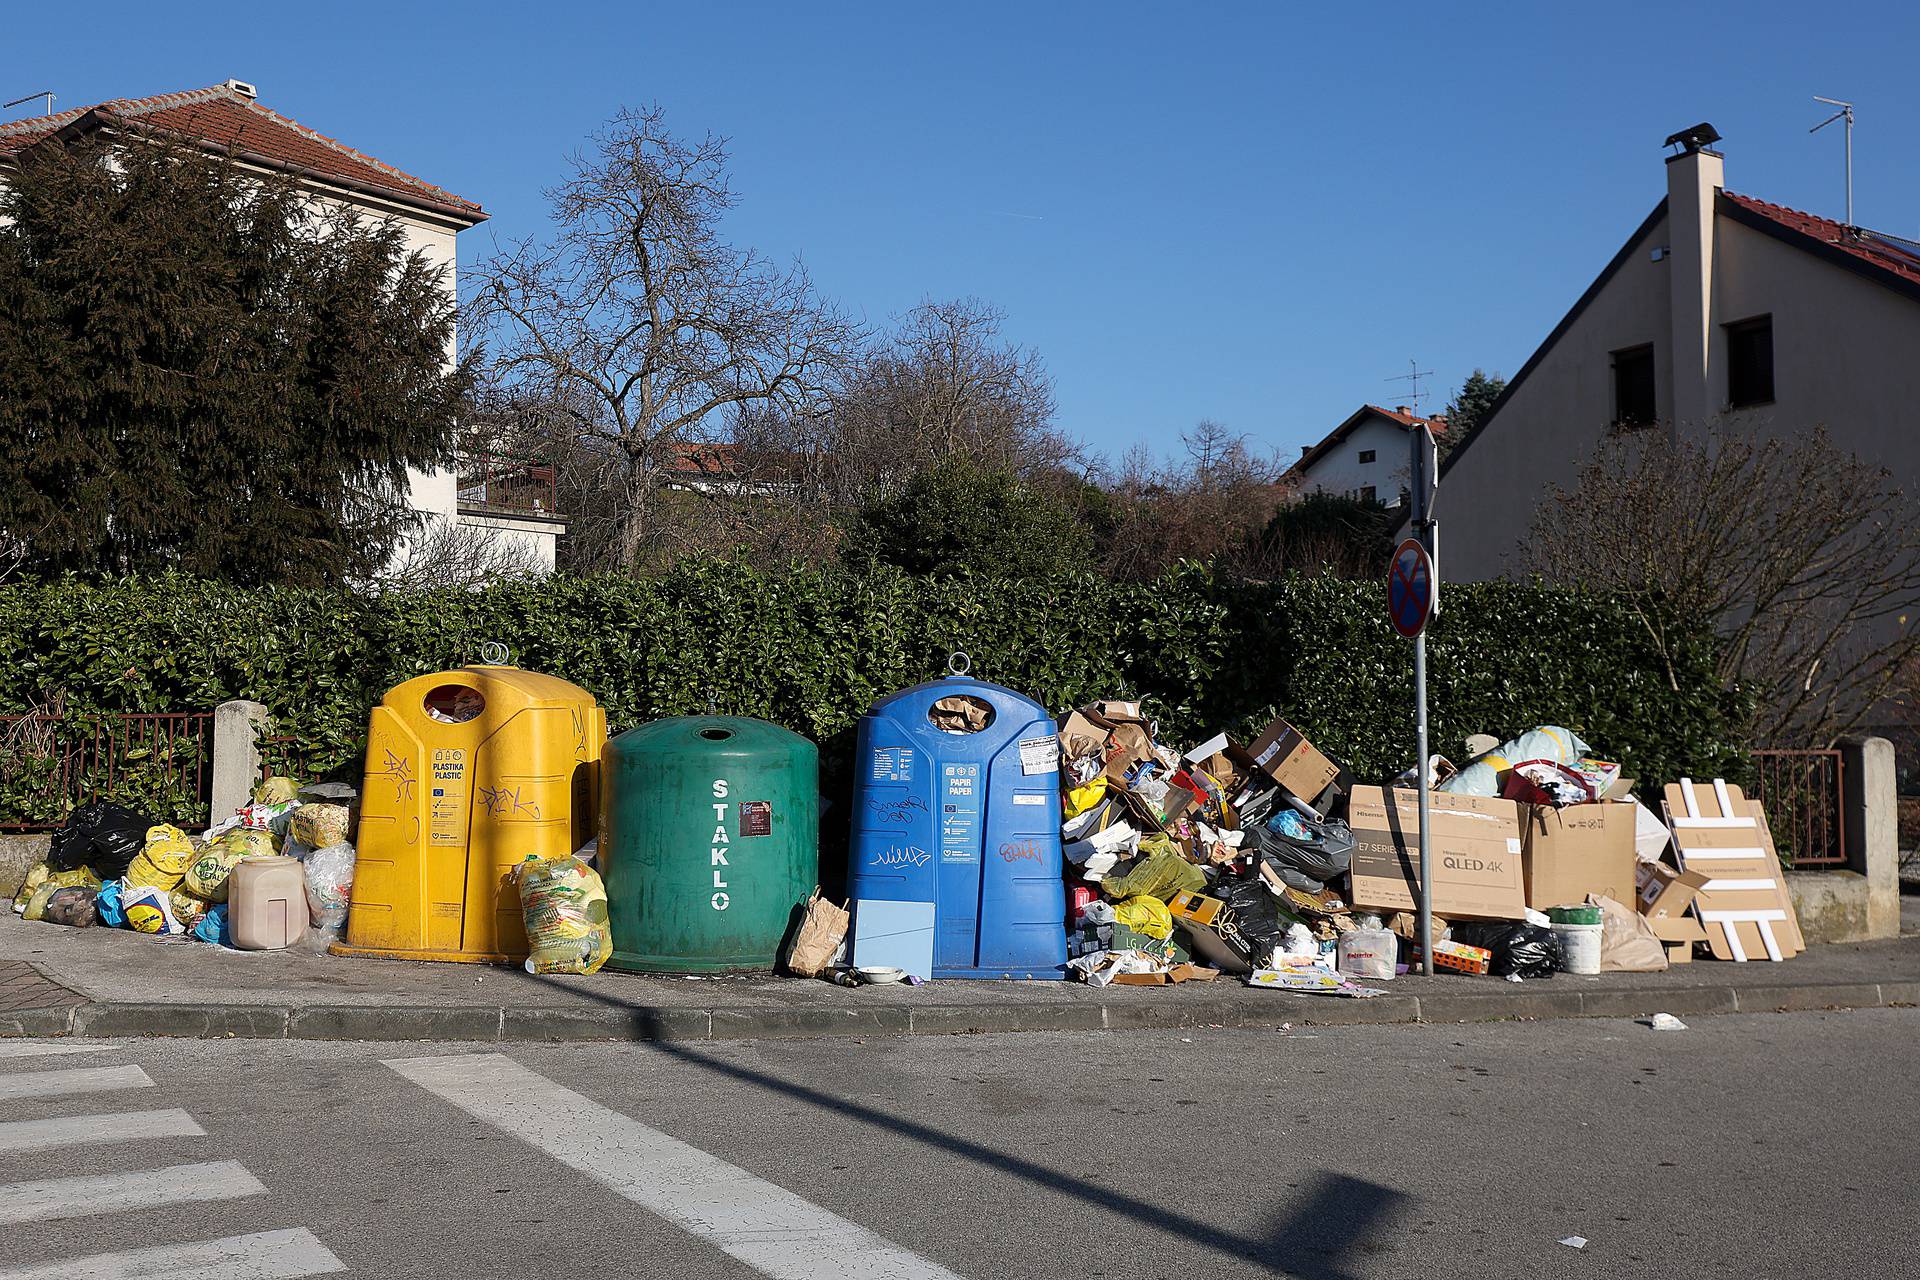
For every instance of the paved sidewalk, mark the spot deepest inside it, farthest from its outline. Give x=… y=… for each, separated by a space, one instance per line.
x=111 y=982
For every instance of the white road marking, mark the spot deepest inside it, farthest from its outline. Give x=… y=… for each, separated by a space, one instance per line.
x=53 y=1199
x=265 y=1255
x=765 y=1226
x=52 y=1084
x=73 y=1131
x=38 y=1048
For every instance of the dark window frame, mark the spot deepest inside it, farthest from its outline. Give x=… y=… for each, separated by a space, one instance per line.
x=1645 y=389
x=1368 y=455
x=1750 y=339
x=1366 y=494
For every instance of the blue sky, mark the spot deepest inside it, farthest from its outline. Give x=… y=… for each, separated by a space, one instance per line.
x=1251 y=212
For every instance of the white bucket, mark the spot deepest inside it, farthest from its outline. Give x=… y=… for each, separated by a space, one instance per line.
x=1579 y=947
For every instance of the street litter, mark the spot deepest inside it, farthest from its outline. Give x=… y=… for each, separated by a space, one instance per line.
x=990 y=839
x=1666 y=1022
x=1574 y=1242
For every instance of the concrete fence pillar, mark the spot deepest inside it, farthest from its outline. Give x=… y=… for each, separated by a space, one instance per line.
x=1871 y=805
x=238 y=727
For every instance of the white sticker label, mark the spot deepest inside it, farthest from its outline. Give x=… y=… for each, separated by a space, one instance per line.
x=1513 y=844
x=1028 y=797
x=1040 y=755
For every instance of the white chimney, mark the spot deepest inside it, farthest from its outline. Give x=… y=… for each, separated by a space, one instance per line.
x=1694 y=179
x=242 y=88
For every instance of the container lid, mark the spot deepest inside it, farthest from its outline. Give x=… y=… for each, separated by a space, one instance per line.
x=1574 y=915
x=706 y=733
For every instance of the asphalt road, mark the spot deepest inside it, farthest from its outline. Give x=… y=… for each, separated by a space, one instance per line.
x=1776 y=1145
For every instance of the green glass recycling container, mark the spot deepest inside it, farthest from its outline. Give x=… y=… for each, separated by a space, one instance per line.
x=709 y=840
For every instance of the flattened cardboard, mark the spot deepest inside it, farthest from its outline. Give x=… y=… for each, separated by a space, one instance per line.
x=1572 y=852
x=1477 y=870
x=1744 y=904
x=1283 y=753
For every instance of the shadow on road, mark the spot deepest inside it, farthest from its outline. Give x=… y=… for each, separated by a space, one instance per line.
x=1339 y=1217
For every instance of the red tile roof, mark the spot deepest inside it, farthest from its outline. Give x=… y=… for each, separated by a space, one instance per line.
x=222 y=118
x=1397 y=415
x=1888 y=253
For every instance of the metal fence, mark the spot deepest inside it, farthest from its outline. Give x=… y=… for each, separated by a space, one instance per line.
x=1804 y=795
x=160 y=764
x=508 y=485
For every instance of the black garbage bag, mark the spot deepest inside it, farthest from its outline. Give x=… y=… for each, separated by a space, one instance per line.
x=1317 y=851
x=1256 y=926
x=99 y=835
x=1530 y=950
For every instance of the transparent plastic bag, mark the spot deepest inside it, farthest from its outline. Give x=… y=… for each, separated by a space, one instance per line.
x=329 y=874
x=565 y=907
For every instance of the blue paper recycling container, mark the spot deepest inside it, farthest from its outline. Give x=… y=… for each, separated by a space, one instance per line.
x=966 y=818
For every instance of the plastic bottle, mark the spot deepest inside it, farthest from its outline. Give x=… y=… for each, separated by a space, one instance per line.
x=1369 y=951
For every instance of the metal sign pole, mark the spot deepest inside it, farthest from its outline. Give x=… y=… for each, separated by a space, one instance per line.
x=1425 y=481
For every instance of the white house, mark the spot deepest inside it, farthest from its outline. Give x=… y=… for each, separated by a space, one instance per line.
x=1720 y=312
x=477 y=500
x=1365 y=457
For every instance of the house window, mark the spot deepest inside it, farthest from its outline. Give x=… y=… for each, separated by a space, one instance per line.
x=1633 y=388
x=1366 y=455
x=1750 y=362
x=1366 y=494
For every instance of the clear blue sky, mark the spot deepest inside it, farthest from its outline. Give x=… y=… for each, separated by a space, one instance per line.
x=1251 y=212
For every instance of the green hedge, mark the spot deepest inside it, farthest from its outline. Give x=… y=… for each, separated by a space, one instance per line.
x=812 y=649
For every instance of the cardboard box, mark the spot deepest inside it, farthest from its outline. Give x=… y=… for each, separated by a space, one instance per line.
x=1665 y=893
x=1283 y=753
x=1581 y=849
x=1476 y=846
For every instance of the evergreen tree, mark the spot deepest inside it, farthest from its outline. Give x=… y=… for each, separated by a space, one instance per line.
x=1470 y=407
x=203 y=368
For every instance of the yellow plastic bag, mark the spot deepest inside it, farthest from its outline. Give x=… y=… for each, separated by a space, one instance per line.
x=206 y=875
x=189 y=908
x=42 y=875
x=1145 y=915
x=276 y=790
x=565 y=908
x=1081 y=799
x=162 y=860
x=319 y=825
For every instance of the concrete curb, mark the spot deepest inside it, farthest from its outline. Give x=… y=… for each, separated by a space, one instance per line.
x=1266 y=1010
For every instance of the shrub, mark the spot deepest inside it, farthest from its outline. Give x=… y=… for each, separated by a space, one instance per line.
x=812 y=649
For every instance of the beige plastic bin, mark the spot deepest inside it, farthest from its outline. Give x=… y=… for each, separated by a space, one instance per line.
x=267 y=903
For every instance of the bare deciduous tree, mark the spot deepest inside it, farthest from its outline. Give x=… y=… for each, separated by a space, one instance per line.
x=443 y=552
x=1806 y=558
x=640 y=327
x=1208 y=505
x=944 y=384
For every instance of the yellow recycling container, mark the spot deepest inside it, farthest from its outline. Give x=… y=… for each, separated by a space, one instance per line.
x=469 y=772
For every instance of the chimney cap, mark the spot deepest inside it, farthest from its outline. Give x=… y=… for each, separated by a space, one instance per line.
x=242 y=87
x=1694 y=138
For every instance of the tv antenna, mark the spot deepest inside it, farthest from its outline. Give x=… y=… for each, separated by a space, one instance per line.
x=44 y=93
x=1414 y=394
x=1844 y=113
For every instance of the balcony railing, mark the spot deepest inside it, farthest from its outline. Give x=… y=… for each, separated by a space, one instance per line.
x=495 y=483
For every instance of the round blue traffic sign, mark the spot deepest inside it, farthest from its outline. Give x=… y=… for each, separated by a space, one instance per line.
x=1410 y=588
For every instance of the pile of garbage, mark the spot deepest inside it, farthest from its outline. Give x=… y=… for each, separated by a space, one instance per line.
x=1271 y=861
x=275 y=873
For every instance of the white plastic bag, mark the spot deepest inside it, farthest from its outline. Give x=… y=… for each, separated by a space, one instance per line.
x=330 y=886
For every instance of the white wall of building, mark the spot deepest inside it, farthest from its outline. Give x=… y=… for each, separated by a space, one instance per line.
x=1340 y=471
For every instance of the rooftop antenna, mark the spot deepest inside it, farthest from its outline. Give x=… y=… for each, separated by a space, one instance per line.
x=44 y=93
x=1414 y=395
x=1844 y=113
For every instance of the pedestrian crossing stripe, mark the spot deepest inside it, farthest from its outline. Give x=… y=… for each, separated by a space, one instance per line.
x=763 y=1225
x=264 y=1255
